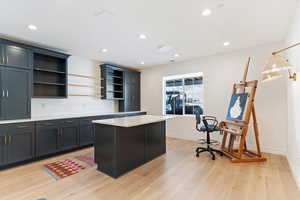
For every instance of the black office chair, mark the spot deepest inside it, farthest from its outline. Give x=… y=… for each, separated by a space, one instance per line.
x=210 y=125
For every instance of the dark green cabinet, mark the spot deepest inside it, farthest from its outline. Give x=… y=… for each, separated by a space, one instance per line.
x=69 y=134
x=17 y=143
x=16 y=56
x=16 y=90
x=47 y=134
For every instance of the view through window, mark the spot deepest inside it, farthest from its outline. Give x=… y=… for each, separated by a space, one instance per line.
x=183 y=93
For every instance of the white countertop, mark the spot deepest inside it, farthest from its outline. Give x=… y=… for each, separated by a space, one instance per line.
x=133 y=121
x=66 y=116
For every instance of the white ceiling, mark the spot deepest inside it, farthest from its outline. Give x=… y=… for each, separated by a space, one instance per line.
x=80 y=27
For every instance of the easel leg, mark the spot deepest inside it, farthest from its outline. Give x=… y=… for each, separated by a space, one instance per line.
x=256 y=131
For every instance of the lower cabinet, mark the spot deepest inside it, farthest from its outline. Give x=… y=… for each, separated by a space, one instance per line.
x=17 y=142
x=87 y=132
x=58 y=135
x=69 y=134
x=47 y=134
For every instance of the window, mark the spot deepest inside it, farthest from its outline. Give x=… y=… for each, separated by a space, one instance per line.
x=183 y=93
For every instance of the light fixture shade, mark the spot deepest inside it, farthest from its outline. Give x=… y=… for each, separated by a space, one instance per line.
x=276 y=63
x=270 y=76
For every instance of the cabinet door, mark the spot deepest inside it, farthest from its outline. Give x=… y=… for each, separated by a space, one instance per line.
x=16 y=89
x=135 y=92
x=2 y=94
x=86 y=132
x=16 y=56
x=69 y=134
x=20 y=145
x=1 y=54
x=2 y=144
x=47 y=138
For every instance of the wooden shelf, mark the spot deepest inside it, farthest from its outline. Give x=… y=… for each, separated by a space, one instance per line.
x=115 y=91
x=49 y=83
x=48 y=70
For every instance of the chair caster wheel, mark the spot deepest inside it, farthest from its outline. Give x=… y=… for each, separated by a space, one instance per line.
x=213 y=158
x=197 y=155
x=221 y=154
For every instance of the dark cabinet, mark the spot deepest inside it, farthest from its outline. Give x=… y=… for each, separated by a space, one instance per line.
x=15 y=101
x=69 y=134
x=17 y=142
x=58 y=135
x=20 y=142
x=155 y=140
x=16 y=56
x=1 y=54
x=132 y=99
x=3 y=140
x=86 y=132
x=47 y=134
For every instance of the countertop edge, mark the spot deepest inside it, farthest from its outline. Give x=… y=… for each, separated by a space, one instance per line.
x=46 y=118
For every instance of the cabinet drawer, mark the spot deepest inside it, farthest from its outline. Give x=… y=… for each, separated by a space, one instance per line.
x=22 y=126
x=86 y=121
x=69 y=122
x=47 y=123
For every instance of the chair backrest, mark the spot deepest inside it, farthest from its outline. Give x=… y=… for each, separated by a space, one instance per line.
x=198 y=112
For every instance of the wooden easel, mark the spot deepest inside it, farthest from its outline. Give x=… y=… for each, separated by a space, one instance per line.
x=239 y=128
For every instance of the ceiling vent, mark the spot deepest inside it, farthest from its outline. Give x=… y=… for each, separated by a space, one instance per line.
x=164 y=48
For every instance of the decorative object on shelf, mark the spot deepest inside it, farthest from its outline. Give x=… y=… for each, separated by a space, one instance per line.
x=238 y=120
x=96 y=86
x=277 y=64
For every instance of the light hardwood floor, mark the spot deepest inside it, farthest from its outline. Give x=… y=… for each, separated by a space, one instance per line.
x=176 y=175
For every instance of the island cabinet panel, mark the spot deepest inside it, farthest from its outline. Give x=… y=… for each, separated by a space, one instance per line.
x=47 y=134
x=105 y=149
x=155 y=140
x=130 y=148
x=121 y=149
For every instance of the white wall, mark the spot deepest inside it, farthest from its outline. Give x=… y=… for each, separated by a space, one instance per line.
x=293 y=99
x=75 y=105
x=220 y=72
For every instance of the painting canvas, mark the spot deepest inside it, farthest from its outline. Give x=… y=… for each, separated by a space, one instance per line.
x=237 y=106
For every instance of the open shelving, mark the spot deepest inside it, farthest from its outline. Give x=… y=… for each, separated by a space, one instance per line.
x=112 y=81
x=49 y=76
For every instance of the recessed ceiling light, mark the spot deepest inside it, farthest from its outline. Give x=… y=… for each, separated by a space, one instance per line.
x=142 y=36
x=142 y=63
x=32 y=27
x=104 y=50
x=176 y=55
x=206 y=12
x=226 y=43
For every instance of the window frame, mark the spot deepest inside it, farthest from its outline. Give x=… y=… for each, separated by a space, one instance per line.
x=182 y=77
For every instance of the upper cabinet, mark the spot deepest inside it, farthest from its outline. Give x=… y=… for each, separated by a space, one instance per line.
x=121 y=84
x=112 y=81
x=132 y=96
x=16 y=56
x=15 y=93
x=49 y=76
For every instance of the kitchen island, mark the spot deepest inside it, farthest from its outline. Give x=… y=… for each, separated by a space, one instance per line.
x=123 y=144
